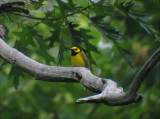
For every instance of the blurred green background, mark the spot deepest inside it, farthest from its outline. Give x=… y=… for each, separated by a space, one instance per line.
x=118 y=37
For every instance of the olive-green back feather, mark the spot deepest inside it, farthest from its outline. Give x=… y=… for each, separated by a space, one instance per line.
x=85 y=59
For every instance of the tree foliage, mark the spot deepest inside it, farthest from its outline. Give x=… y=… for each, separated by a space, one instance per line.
x=117 y=36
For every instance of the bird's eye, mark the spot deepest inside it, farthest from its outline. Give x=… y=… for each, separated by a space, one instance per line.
x=76 y=49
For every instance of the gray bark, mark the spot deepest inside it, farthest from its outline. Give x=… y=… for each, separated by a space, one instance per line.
x=109 y=92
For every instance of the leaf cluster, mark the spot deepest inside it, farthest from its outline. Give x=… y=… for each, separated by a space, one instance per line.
x=117 y=36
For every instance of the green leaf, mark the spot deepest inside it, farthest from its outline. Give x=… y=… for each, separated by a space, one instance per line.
x=43 y=50
x=110 y=33
x=64 y=8
x=75 y=35
x=39 y=4
x=123 y=52
x=89 y=47
x=140 y=18
x=71 y=4
x=86 y=37
x=96 y=18
x=55 y=37
x=106 y=29
x=126 y=6
x=61 y=51
x=15 y=74
x=102 y=9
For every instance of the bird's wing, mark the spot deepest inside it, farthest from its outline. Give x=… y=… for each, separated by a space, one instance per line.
x=85 y=59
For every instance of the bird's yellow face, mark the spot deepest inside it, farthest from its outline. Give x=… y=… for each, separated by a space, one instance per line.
x=75 y=49
x=78 y=57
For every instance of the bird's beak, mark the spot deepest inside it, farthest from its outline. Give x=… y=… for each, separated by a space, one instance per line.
x=71 y=49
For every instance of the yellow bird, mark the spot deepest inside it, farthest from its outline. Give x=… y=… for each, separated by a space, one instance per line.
x=79 y=58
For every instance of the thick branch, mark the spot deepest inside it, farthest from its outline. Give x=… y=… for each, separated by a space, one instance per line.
x=131 y=94
x=49 y=73
x=110 y=93
x=139 y=78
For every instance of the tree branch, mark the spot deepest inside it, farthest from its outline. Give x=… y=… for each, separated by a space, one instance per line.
x=59 y=18
x=139 y=78
x=110 y=93
x=8 y=6
x=131 y=95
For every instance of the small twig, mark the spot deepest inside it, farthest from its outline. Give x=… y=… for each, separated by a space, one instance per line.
x=38 y=18
x=59 y=18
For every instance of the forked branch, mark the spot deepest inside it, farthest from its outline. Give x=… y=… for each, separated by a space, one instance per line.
x=131 y=95
x=109 y=92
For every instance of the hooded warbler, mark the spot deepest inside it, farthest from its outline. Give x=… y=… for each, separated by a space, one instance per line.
x=79 y=58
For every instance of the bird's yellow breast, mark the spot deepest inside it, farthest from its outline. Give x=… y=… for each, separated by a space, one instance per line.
x=77 y=60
